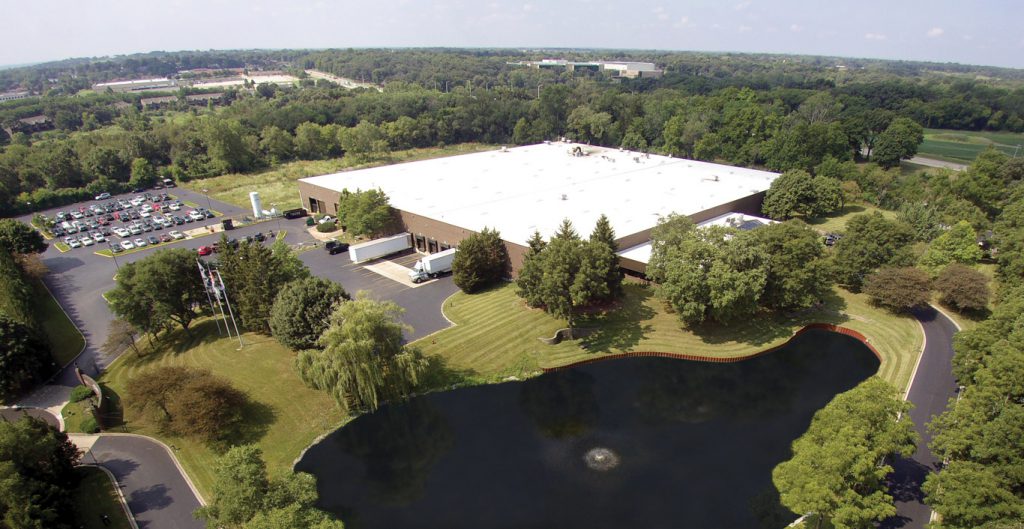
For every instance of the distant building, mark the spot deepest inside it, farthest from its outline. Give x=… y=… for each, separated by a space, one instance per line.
x=626 y=69
x=12 y=96
x=30 y=124
x=153 y=103
x=137 y=85
x=204 y=99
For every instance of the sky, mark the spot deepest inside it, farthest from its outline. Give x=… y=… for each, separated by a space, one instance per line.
x=982 y=32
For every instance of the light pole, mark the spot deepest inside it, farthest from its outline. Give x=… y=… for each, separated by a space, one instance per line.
x=206 y=193
x=278 y=215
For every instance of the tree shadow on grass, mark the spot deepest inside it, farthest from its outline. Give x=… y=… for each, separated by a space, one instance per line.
x=439 y=376
x=768 y=328
x=621 y=327
x=848 y=210
x=256 y=420
x=113 y=413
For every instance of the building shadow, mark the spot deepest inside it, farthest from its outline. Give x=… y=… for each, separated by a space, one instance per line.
x=620 y=327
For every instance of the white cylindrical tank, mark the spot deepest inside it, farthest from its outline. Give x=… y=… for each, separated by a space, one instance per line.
x=257 y=208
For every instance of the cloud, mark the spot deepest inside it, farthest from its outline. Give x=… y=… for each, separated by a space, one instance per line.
x=936 y=32
x=874 y=36
x=744 y=29
x=796 y=28
x=968 y=38
x=527 y=7
x=741 y=6
x=683 y=21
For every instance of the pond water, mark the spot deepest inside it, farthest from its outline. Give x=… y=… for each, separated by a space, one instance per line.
x=633 y=443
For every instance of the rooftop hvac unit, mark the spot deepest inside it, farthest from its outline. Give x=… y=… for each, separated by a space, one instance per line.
x=565 y=197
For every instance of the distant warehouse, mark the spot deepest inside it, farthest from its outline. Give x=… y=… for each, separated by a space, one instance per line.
x=525 y=189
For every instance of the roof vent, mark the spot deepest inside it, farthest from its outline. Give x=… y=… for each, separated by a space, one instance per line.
x=565 y=197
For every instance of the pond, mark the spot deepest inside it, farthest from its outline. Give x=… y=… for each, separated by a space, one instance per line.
x=632 y=443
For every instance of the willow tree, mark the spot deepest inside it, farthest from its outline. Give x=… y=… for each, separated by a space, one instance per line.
x=363 y=362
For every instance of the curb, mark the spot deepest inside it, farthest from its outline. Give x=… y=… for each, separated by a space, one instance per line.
x=120 y=495
x=181 y=470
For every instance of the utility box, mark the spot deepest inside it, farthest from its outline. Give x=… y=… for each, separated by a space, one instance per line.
x=227 y=224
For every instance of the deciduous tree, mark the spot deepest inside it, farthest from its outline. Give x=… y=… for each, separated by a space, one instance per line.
x=958 y=244
x=163 y=286
x=870 y=241
x=363 y=361
x=963 y=288
x=899 y=141
x=18 y=238
x=837 y=470
x=36 y=475
x=899 y=288
x=24 y=358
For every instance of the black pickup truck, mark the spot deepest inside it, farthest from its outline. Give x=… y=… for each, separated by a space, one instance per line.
x=334 y=247
x=297 y=213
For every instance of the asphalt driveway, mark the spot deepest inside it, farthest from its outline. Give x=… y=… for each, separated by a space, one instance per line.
x=933 y=386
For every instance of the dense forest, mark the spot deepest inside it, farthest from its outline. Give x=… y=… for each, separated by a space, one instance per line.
x=777 y=112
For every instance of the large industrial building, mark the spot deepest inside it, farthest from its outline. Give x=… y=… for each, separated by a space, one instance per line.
x=521 y=190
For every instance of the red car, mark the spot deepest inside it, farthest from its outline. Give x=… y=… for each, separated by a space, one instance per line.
x=205 y=250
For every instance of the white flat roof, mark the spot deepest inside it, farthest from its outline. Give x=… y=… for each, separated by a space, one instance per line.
x=642 y=252
x=522 y=189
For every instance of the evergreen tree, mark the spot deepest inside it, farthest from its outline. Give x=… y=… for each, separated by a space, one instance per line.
x=482 y=260
x=604 y=233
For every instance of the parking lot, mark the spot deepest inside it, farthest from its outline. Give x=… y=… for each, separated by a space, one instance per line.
x=80 y=276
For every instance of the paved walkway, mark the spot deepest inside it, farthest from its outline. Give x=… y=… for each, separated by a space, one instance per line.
x=158 y=493
x=931 y=389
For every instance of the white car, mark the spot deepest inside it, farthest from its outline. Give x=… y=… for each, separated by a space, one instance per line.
x=87 y=241
x=127 y=244
x=176 y=234
x=144 y=214
x=134 y=229
x=174 y=206
x=121 y=232
x=140 y=242
x=98 y=237
x=72 y=242
x=195 y=215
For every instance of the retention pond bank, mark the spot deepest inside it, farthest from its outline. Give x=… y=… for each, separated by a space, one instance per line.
x=638 y=442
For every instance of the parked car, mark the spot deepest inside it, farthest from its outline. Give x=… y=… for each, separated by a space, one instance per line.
x=116 y=248
x=72 y=242
x=98 y=237
x=127 y=244
x=166 y=238
x=335 y=247
x=140 y=242
x=205 y=250
x=87 y=241
x=153 y=240
x=176 y=234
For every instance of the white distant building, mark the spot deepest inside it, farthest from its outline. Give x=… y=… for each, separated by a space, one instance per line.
x=627 y=69
x=137 y=85
x=13 y=96
x=525 y=189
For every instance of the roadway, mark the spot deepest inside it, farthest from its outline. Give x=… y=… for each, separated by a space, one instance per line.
x=931 y=388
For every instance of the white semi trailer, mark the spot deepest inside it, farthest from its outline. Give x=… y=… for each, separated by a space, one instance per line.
x=432 y=265
x=379 y=247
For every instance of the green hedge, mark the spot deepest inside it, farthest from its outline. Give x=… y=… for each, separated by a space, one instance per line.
x=80 y=393
x=327 y=227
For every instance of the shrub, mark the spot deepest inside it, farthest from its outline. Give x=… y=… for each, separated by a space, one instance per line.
x=327 y=227
x=89 y=425
x=481 y=261
x=963 y=288
x=899 y=288
x=80 y=393
x=188 y=401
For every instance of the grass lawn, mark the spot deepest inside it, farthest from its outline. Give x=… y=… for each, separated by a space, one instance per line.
x=497 y=336
x=74 y=414
x=277 y=185
x=95 y=497
x=286 y=415
x=837 y=221
x=963 y=146
x=65 y=340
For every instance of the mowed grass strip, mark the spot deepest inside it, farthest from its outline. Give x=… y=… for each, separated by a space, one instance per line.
x=94 y=498
x=285 y=418
x=963 y=146
x=62 y=335
x=497 y=336
x=277 y=185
